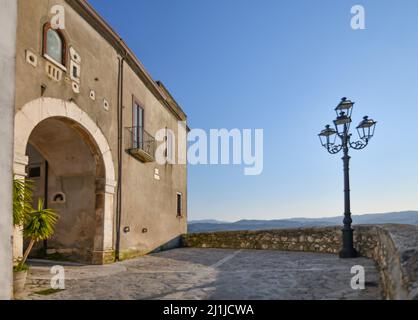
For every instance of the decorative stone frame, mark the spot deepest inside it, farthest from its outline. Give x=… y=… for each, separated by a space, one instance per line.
x=41 y=109
x=31 y=58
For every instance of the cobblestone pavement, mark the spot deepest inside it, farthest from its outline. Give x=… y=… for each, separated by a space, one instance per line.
x=212 y=274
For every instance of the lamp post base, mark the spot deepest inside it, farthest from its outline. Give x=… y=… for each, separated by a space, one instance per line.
x=348 y=253
x=348 y=250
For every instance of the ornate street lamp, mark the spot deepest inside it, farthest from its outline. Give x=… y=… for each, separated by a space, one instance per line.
x=328 y=138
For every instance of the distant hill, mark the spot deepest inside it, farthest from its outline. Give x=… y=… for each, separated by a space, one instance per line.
x=210 y=221
x=406 y=217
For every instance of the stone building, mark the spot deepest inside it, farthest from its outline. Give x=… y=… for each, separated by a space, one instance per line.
x=88 y=123
x=8 y=21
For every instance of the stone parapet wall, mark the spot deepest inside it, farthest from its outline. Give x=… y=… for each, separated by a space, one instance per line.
x=326 y=240
x=393 y=247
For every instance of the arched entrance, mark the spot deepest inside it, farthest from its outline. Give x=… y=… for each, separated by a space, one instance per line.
x=68 y=157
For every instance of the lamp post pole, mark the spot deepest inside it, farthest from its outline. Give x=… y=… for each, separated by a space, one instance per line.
x=348 y=250
x=328 y=138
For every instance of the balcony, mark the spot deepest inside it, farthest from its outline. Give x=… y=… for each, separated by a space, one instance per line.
x=140 y=144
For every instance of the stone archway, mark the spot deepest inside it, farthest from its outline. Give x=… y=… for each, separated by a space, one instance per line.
x=26 y=120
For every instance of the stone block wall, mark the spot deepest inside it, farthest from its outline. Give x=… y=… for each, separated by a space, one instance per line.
x=326 y=240
x=394 y=248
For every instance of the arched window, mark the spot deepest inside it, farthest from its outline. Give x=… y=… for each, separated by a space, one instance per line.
x=54 y=46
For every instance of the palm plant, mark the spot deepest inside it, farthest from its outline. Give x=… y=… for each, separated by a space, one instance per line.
x=22 y=200
x=39 y=226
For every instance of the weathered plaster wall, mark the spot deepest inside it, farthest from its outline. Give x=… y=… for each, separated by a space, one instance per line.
x=147 y=204
x=393 y=247
x=8 y=19
x=99 y=73
x=98 y=66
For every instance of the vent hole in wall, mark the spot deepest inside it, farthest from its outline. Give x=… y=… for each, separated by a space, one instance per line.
x=58 y=198
x=106 y=105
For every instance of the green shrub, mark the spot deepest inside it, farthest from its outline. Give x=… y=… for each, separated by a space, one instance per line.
x=21 y=267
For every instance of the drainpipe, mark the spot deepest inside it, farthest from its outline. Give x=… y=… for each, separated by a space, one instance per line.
x=120 y=153
x=46 y=182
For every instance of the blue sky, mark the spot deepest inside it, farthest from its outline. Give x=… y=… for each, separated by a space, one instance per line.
x=282 y=66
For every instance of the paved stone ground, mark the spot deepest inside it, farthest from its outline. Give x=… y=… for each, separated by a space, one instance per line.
x=212 y=274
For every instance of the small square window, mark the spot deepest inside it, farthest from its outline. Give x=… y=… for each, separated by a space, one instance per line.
x=34 y=172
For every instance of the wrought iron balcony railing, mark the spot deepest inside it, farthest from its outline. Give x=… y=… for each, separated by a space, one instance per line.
x=140 y=144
